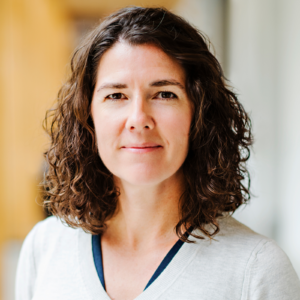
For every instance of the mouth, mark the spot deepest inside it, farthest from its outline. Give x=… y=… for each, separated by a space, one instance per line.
x=142 y=148
x=142 y=145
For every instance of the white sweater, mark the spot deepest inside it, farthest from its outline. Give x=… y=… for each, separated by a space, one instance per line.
x=56 y=263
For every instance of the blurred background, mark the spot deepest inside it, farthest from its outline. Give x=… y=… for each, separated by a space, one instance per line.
x=258 y=45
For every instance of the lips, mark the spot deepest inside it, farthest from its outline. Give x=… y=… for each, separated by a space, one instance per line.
x=142 y=146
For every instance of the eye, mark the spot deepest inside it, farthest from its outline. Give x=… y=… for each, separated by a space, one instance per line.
x=115 y=96
x=166 y=95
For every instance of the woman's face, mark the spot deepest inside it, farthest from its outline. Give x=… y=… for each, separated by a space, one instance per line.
x=141 y=114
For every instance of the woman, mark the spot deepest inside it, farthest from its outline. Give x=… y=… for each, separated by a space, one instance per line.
x=146 y=165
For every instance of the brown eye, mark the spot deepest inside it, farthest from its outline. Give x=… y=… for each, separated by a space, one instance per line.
x=115 y=96
x=167 y=95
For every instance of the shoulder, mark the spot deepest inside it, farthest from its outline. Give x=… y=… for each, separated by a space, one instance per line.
x=47 y=236
x=47 y=244
x=264 y=268
x=235 y=240
x=230 y=228
x=258 y=251
x=51 y=227
x=270 y=274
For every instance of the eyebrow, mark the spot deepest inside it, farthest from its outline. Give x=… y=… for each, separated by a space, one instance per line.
x=159 y=83
x=167 y=82
x=112 y=86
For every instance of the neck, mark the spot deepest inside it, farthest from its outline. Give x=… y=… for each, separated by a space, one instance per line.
x=146 y=215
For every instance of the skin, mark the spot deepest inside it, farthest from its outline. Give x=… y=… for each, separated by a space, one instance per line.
x=142 y=119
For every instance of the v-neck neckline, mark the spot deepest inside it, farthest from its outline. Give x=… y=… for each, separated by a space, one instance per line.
x=98 y=259
x=94 y=287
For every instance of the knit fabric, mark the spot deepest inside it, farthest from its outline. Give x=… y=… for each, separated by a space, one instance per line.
x=56 y=262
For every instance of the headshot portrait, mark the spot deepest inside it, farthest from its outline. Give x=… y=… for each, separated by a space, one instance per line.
x=147 y=162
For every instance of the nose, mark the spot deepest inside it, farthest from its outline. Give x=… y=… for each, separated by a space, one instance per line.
x=139 y=118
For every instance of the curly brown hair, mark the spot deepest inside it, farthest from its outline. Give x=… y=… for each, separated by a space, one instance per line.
x=78 y=187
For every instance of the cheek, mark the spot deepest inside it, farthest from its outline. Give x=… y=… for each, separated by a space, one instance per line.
x=177 y=127
x=107 y=129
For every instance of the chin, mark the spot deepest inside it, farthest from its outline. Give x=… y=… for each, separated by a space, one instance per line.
x=146 y=178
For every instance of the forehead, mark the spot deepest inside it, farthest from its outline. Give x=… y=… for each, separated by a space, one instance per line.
x=144 y=62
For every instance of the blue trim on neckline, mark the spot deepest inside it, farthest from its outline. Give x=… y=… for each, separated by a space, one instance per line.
x=97 y=254
x=165 y=262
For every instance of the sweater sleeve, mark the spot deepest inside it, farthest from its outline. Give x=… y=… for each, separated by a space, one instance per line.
x=271 y=275
x=26 y=270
